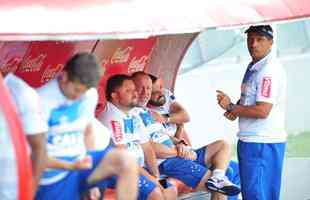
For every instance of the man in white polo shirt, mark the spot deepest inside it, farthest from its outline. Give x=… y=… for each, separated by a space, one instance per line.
x=176 y=159
x=28 y=109
x=261 y=112
x=129 y=132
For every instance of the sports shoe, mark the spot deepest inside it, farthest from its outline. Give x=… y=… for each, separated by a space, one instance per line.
x=222 y=185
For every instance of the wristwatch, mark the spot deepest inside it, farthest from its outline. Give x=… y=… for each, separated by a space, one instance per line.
x=167 y=117
x=230 y=107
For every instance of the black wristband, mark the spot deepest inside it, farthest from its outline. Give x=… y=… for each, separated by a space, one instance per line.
x=231 y=107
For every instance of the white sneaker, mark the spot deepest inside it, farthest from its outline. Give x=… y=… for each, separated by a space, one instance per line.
x=222 y=185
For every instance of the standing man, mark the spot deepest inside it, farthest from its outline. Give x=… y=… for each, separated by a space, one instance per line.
x=261 y=110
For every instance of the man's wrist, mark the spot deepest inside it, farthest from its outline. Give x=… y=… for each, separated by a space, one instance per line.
x=230 y=107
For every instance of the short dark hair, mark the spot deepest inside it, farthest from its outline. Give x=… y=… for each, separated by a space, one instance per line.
x=113 y=83
x=83 y=68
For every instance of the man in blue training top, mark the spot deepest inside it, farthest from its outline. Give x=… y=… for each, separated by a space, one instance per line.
x=69 y=103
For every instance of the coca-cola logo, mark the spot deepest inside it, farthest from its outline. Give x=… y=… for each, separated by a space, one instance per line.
x=51 y=72
x=10 y=66
x=30 y=64
x=137 y=64
x=121 y=55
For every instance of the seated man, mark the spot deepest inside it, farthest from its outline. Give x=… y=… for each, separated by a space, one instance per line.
x=127 y=132
x=68 y=106
x=173 y=115
x=180 y=162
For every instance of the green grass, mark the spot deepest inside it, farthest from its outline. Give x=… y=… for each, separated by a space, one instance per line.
x=297 y=146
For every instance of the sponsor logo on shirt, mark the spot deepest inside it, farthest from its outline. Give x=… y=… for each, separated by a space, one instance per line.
x=266 y=88
x=117 y=131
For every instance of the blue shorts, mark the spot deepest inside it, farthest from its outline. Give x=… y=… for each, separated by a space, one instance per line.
x=74 y=184
x=201 y=155
x=187 y=171
x=145 y=187
x=261 y=169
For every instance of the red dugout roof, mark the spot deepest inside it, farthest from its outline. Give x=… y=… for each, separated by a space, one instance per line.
x=113 y=19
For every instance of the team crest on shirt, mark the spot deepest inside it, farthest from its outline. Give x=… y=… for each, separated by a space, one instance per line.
x=146 y=118
x=129 y=125
x=117 y=131
x=266 y=87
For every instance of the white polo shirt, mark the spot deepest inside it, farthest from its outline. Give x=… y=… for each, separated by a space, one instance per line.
x=28 y=106
x=67 y=120
x=265 y=81
x=126 y=129
x=155 y=130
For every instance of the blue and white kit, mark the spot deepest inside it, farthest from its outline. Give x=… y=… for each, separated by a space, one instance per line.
x=262 y=142
x=128 y=130
x=67 y=121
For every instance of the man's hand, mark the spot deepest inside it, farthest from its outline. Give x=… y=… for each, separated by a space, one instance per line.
x=230 y=116
x=93 y=194
x=185 y=152
x=85 y=163
x=222 y=99
x=158 y=117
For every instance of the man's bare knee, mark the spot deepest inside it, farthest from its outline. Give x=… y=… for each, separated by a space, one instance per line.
x=123 y=160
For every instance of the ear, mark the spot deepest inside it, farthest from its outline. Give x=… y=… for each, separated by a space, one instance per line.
x=114 y=96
